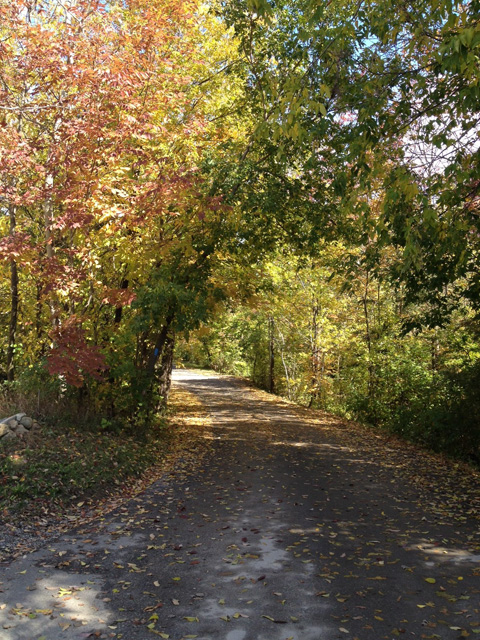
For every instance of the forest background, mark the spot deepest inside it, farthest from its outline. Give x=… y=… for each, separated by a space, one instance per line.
x=283 y=190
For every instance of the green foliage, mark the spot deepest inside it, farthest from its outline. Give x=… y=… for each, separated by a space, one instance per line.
x=444 y=414
x=345 y=350
x=367 y=119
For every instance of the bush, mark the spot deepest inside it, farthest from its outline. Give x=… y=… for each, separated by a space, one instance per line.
x=448 y=418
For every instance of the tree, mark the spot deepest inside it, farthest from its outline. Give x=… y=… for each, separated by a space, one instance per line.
x=107 y=112
x=355 y=100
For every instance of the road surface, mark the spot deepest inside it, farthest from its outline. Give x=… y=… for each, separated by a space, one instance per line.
x=292 y=525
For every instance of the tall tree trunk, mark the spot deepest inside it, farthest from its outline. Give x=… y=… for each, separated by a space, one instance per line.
x=117 y=320
x=435 y=349
x=38 y=311
x=315 y=353
x=119 y=309
x=166 y=366
x=12 y=328
x=13 y=323
x=159 y=346
x=48 y=215
x=271 y=355
x=49 y=248
x=368 y=336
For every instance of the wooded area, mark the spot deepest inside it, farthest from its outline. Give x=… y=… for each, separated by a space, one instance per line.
x=285 y=190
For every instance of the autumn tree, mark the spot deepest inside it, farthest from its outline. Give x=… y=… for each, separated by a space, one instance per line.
x=107 y=113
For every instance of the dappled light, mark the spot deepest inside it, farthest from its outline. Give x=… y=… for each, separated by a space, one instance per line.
x=264 y=525
x=442 y=553
x=46 y=605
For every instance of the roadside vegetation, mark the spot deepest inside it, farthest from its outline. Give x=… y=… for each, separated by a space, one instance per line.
x=344 y=350
x=62 y=473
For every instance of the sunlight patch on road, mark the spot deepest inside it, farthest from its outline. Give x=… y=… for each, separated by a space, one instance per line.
x=317 y=445
x=53 y=605
x=446 y=554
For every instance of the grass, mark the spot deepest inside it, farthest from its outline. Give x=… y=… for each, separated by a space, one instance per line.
x=59 y=469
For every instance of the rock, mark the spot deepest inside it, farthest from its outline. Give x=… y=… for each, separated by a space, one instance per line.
x=20 y=430
x=4 y=429
x=17 y=425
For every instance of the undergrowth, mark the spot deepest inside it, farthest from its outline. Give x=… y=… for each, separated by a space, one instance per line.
x=60 y=465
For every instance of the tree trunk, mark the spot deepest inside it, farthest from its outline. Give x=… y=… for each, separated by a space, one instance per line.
x=48 y=215
x=271 y=355
x=13 y=323
x=12 y=328
x=119 y=309
x=166 y=366
x=315 y=353
x=368 y=336
x=49 y=248
x=435 y=352
x=159 y=347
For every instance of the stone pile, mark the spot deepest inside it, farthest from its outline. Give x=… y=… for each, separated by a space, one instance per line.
x=16 y=426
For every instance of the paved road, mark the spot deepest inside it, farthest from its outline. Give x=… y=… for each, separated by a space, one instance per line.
x=291 y=528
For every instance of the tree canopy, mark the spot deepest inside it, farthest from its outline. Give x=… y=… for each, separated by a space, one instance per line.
x=306 y=171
